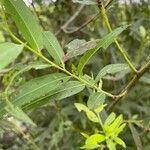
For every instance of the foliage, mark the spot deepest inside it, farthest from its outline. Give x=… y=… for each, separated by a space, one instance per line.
x=53 y=63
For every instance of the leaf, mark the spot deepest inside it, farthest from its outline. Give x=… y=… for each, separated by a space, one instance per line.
x=38 y=87
x=78 y=47
x=63 y=91
x=8 y=53
x=93 y=141
x=96 y=99
x=110 y=119
x=80 y=107
x=35 y=65
x=103 y=43
x=85 y=2
x=111 y=69
x=91 y=116
x=117 y=122
x=25 y=21
x=136 y=137
x=84 y=60
x=18 y=113
x=110 y=144
x=120 y=142
x=53 y=47
x=66 y=90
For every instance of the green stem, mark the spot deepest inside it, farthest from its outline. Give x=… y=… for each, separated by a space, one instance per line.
x=120 y=49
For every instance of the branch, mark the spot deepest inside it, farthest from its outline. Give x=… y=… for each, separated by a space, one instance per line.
x=131 y=84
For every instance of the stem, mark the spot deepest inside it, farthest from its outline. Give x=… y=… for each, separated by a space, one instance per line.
x=131 y=84
x=120 y=49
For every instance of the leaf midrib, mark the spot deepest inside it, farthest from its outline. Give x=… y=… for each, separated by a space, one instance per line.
x=39 y=88
x=25 y=25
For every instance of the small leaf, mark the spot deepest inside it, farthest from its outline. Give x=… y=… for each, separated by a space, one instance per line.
x=25 y=21
x=111 y=69
x=110 y=119
x=110 y=144
x=136 y=137
x=8 y=53
x=100 y=108
x=102 y=43
x=80 y=107
x=18 y=113
x=38 y=87
x=78 y=47
x=120 y=142
x=85 y=135
x=85 y=2
x=53 y=47
x=91 y=116
x=117 y=122
x=96 y=99
x=95 y=139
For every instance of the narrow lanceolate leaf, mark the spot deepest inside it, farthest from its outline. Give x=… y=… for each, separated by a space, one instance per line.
x=18 y=113
x=38 y=87
x=102 y=43
x=24 y=68
x=8 y=53
x=136 y=137
x=111 y=69
x=110 y=119
x=78 y=47
x=85 y=2
x=53 y=47
x=95 y=100
x=65 y=90
x=25 y=22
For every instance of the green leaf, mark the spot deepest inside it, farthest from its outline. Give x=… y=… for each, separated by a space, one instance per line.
x=136 y=137
x=38 y=87
x=8 y=53
x=63 y=91
x=84 y=60
x=96 y=99
x=102 y=43
x=18 y=113
x=78 y=47
x=111 y=69
x=110 y=144
x=120 y=142
x=93 y=141
x=53 y=47
x=110 y=119
x=85 y=2
x=117 y=122
x=91 y=115
x=67 y=89
x=24 y=68
x=80 y=107
x=25 y=21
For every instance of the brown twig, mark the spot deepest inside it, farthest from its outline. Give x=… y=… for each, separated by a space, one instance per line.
x=94 y=17
x=131 y=84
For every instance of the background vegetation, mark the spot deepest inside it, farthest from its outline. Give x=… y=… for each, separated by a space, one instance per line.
x=59 y=124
